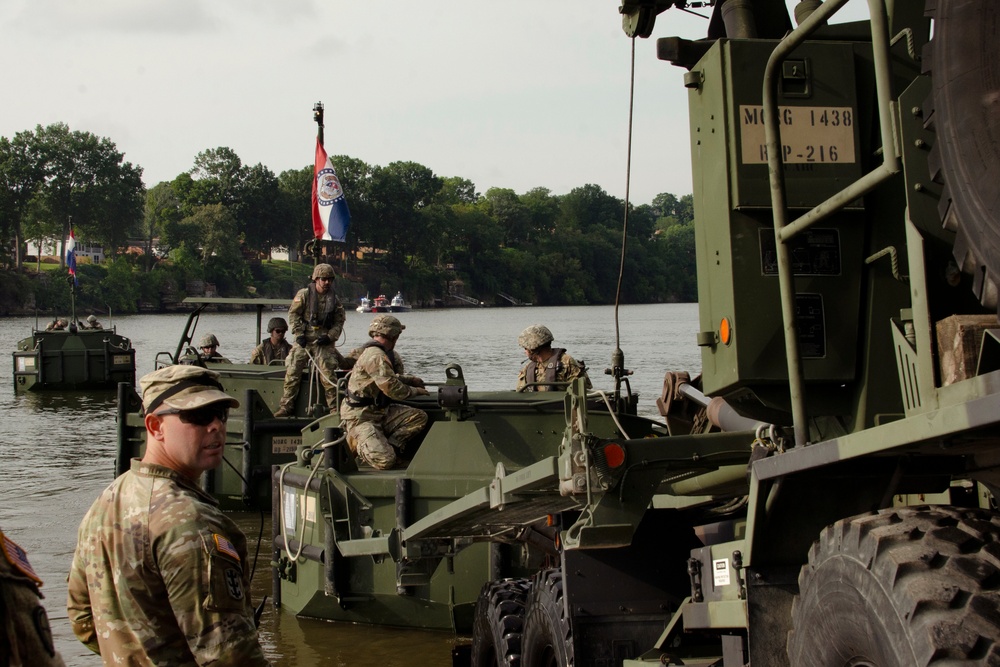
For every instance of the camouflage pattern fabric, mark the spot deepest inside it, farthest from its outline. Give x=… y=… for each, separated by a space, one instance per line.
x=267 y=352
x=328 y=359
x=160 y=576
x=25 y=635
x=566 y=369
x=328 y=307
x=377 y=434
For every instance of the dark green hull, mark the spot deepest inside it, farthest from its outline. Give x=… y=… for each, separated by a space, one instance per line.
x=68 y=360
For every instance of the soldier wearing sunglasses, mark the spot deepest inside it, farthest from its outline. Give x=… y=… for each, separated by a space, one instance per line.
x=160 y=574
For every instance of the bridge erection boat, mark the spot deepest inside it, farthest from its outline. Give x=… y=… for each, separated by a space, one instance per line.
x=73 y=358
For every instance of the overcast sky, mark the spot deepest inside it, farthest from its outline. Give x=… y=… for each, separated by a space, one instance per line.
x=516 y=94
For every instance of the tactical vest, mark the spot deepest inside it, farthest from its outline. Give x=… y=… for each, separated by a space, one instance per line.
x=315 y=318
x=380 y=400
x=553 y=365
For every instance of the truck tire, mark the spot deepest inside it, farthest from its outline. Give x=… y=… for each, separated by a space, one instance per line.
x=548 y=634
x=965 y=116
x=906 y=587
x=499 y=619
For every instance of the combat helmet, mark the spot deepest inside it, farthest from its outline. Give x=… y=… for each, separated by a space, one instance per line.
x=534 y=337
x=323 y=271
x=92 y=319
x=276 y=323
x=386 y=325
x=208 y=340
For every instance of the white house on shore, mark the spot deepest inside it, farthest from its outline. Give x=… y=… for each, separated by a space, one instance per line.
x=52 y=248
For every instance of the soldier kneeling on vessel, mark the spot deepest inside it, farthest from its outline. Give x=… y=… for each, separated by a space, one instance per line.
x=378 y=427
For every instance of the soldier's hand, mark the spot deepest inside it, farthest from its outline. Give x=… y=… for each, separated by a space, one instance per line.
x=323 y=340
x=301 y=341
x=419 y=391
x=416 y=382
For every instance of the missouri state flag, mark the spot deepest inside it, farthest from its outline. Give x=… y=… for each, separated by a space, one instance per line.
x=71 y=256
x=331 y=217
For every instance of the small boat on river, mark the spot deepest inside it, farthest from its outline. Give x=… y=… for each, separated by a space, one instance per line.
x=381 y=304
x=365 y=305
x=397 y=305
x=73 y=357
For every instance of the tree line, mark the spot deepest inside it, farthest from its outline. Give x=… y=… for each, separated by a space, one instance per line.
x=411 y=229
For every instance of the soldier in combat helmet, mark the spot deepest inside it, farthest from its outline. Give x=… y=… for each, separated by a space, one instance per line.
x=378 y=427
x=25 y=635
x=317 y=319
x=274 y=346
x=160 y=575
x=209 y=346
x=546 y=365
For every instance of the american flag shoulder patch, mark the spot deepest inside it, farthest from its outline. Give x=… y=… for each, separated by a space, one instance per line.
x=18 y=558
x=223 y=545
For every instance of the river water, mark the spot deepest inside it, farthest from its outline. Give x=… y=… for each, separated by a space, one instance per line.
x=57 y=450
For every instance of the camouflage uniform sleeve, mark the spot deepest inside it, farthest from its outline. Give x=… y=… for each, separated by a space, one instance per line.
x=385 y=377
x=257 y=356
x=522 y=379
x=296 y=322
x=573 y=369
x=339 y=317
x=25 y=634
x=208 y=589
x=81 y=614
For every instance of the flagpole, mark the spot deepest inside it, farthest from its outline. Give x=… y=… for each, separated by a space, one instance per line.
x=318 y=117
x=318 y=247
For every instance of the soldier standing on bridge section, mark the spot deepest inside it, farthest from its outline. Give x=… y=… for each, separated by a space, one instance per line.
x=317 y=319
x=548 y=368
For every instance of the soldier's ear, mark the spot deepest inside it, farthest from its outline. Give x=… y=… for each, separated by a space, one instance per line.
x=154 y=426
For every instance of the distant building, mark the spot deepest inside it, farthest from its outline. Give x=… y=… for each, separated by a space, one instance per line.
x=52 y=248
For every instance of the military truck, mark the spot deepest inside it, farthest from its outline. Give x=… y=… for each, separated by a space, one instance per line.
x=823 y=494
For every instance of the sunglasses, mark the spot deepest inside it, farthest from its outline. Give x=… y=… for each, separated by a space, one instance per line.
x=201 y=416
x=325 y=280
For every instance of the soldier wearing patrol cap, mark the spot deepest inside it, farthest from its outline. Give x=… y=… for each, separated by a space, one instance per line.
x=274 y=346
x=160 y=575
x=317 y=319
x=548 y=368
x=378 y=427
x=25 y=636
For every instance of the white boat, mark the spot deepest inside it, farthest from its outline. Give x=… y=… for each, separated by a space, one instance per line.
x=397 y=305
x=365 y=306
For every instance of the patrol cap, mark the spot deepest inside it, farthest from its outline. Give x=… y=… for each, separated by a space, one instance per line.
x=182 y=387
x=534 y=337
x=386 y=325
x=208 y=340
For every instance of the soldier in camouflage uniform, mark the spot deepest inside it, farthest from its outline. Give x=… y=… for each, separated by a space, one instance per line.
x=317 y=318
x=545 y=363
x=274 y=346
x=160 y=575
x=25 y=636
x=378 y=428
x=209 y=346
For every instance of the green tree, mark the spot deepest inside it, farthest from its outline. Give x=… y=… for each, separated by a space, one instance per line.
x=258 y=210
x=509 y=213
x=89 y=185
x=21 y=177
x=162 y=208
x=295 y=206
